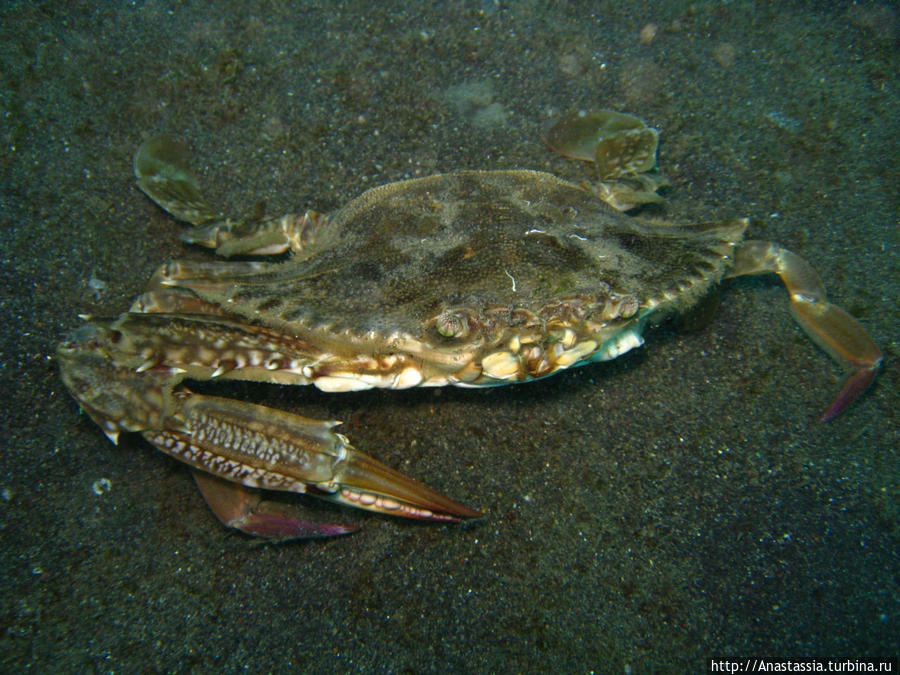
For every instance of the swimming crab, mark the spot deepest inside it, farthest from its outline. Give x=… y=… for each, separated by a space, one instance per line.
x=471 y=278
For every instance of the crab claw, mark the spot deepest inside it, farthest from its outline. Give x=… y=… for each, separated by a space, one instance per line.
x=261 y=447
x=245 y=510
x=829 y=326
x=245 y=444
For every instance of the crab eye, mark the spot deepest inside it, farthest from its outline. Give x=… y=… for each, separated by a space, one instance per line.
x=452 y=324
x=628 y=306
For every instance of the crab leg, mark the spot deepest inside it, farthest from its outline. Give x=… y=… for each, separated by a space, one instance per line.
x=163 y=172
x=833 y=329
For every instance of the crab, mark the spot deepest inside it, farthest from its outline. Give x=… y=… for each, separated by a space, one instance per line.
x=470 y=278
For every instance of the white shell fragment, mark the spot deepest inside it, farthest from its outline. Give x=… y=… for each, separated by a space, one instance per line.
x=101 y=486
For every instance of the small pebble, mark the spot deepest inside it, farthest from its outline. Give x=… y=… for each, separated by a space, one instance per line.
x=724 y=54
x=782 y=121
x=97 y=285
x=647 y=33
x=101 y=486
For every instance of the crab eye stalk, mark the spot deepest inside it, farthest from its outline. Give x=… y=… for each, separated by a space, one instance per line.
x=452 y=324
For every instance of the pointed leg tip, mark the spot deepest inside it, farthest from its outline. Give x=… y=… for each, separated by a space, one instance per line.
x=459 y=515
x=465 y=513
x=830 y=413
x=424 y=504
x=441 y=507
x=856 y=384
x=448 y=510
x=280 y=527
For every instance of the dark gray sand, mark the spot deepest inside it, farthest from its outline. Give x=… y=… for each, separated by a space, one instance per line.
x=640 y=516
